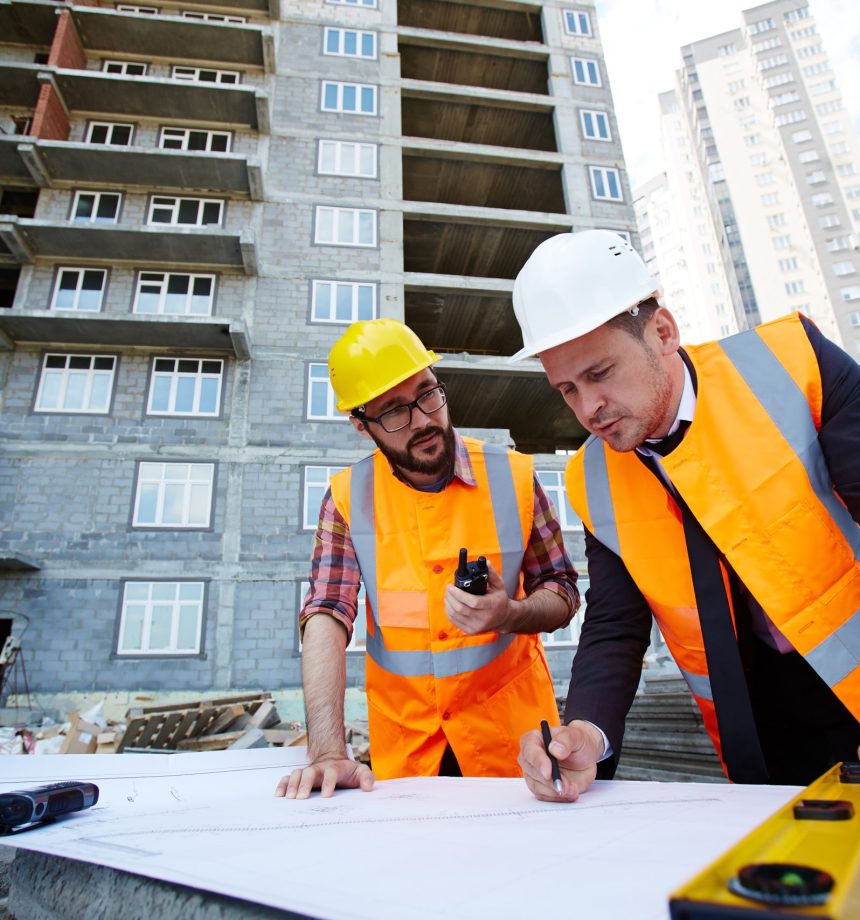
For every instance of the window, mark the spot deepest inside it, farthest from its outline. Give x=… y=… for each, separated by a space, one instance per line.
x=776 y=220
x=752 y=140
x=828 y=86
x=605 y=183
x=845 y=169
x=831 y=128
x=317 y=479
x=843 y=268
x=781 y=242
x=790 y=118
x=348 y=97
x=759 y=159
x=76 y=383
x=779 y=80
x=345 y=158
x=762 y=25
x=143 y=10
x=809 y=51
x=79 y=289
x=190 y=212
x=553 y=484
x=174 y=495
x=816 y=177
x=829 y=220
x=850 y=293
x=809 y=156
x=161 y=618
x=185 y=386
x=783 y=99
x=793 y=287
x=822 y=200
x=367 y=4
x=174 y=294
x=771 y=62
x=799 y=137
x=577 y=22
x=770 y=199
x=124 y=68
x=794 y=15
x=569 y=635
x=788 y=265
x=349 y=43
x=765 y=178
x=212 y=17
x=192 y=139
x=342 y=301
x=585 y=71
x=113 y=133
x=345 y=226
x=595 y=124
x=205 y=75
x=321 y=398
x=854 y=319
x=96 y=207
x=839 y=244
x=813 y=70
x=827 y=108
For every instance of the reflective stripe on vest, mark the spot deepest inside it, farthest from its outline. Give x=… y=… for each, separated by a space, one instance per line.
x=838 y=655
x=699 y=684
x=362 y=528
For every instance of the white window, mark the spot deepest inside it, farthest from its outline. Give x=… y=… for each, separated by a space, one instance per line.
x=767 y=45
x=348 y=97
x=174 y=294
x=759 y=159
x=809 y=51
x=205 y=75
x=143 y=10
x=317 y=479
x=838 y=148
x=779 y=80
x=76 y=383
x=809 y=156
x=342 y=301
x=185 y=386
x=367 y=4
x=577 y=22
x=829 y=220
x=815 y=177
x=828 y=86
x=776 y=220
x=831 y=128
x=839 y=244
x=190 y=212
x=175 y=495
x=321 y=398
x=771 y=62
x=850 y=293
x=161 y=618
x=805 y=32
x=783 y=99
x=762 y=25
x=853 y=191
x=843 y=268
x=854 y=319
x=845 y=169
x=770 y=199
x=585 y=71
x=765 y=178
x=359 y=627
x=96 y=207
x=553 y=484
x=605 y=183
x=125 y=68
x=113 y=133
x=790 y=118
x=793 y=287
x=79 y=289
x=345 y=226
x=595 y=124
x=212 y=17
x=822 y=200
x=781 y=242
x=812 y=70
x=827 y=108
x=751 y=140
x=347 y=158
x=193 y=139
x=802 y=12
x=788 y=265
x=349 y=43
x=799 y=137
x=568 y=636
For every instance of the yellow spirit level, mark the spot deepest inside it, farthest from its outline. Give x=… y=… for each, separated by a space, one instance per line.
x=804 y=861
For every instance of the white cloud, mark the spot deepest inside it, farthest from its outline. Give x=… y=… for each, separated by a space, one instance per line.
x=642 y=41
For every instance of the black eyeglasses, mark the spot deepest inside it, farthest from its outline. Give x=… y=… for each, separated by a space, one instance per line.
x=401 y=416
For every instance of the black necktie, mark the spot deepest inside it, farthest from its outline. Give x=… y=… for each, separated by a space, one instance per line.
x=666 y=445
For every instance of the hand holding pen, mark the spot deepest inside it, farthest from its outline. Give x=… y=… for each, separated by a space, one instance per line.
x=576 y=748
x=547 y=740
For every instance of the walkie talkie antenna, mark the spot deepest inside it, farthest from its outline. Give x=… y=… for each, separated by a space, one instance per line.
x=463 y=567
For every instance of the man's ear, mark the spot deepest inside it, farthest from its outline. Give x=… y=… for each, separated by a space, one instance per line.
x=360 y=427
x=666 y=331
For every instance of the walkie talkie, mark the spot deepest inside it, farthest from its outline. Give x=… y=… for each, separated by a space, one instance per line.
x=471 y=577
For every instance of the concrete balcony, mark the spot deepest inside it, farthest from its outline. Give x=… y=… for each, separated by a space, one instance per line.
x=218 y=335
x=270 y=8
x=19 y=85
x=32 y=22
x=519 y=21
x=29 y=240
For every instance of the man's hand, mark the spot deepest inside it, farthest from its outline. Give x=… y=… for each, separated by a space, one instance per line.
x=577 y=747
x=324 y=774
x=480 y=613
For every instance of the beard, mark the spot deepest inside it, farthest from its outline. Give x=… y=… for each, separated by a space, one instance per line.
x=409 y=461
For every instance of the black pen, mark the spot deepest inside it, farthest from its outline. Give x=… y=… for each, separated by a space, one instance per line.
x=547 y=738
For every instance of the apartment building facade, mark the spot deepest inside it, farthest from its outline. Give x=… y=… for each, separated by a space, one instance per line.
x=775 y=170
x=197 y=197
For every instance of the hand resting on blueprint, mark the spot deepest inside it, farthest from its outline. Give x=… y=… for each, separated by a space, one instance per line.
x=577 y=747
x=325 y=773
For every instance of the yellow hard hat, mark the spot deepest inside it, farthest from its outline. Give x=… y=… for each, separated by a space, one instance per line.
x=373 y=356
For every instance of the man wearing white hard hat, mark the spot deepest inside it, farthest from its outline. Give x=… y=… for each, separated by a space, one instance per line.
x=720 y=494
x=453 y=676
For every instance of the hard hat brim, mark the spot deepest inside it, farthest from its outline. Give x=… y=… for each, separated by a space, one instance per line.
x=343 y=407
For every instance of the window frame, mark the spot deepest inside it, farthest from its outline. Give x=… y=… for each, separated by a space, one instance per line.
x=187 y=132
x=97 y=196
x=203 y=16
x=82 y=270
x=341 y=86
x=161 y=487
x=355 y=307
x=596 y=116
x=587 y=64
x=360 y=35
x=573 y=19
x=140 y=280
x=306 y=524
x=110 y=125
x=148 y=652
x=123 y=65
x=175 y=376
x=339 y=215
x=610 y=172
x=91 y=374
x=159 y=202
x=567 y=518
x=338 y=150
x=315 y=382
x=176 y=73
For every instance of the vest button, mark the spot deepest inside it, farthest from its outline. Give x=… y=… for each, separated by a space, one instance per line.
x=443 y=636
x=437 y=569
x=446 y=716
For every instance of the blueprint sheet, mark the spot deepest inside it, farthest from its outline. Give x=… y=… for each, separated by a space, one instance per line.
x=411 y=849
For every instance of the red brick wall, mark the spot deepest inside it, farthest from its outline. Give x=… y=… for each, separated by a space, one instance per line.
x=66 y=49
x=50 y=119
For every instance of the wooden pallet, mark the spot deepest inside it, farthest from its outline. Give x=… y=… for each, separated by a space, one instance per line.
x=164 y=727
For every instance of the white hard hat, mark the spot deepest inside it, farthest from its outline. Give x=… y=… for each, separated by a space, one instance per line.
x=575 y=282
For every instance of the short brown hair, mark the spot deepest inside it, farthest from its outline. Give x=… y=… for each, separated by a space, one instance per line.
x=635 y=325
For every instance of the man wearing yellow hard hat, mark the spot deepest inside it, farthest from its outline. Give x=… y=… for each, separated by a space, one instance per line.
x=453 y=678
x=720 y=494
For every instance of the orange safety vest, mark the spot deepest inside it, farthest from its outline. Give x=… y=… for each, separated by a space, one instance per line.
x=429 y=684
x=751 y=470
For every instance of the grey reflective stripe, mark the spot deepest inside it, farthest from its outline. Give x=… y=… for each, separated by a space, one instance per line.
x=839 y=654
x=509 y=528
x=789 y=410
x=362 y=529
x=600 y=508
x=699 y=684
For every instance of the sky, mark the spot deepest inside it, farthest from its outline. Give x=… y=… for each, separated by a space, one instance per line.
x=642 y=42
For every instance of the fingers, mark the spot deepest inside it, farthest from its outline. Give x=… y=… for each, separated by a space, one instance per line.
x=537 y=769
x=326 y=777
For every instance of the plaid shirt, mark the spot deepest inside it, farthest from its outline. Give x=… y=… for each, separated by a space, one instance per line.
x=335 y=576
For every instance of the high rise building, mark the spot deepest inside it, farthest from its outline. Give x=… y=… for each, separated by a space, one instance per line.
x=762 y=159
x=197 y=196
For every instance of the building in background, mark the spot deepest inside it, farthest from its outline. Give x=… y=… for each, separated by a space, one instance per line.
x=197 y=197
x=763 y=180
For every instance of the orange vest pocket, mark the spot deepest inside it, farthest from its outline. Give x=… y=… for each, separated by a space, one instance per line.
x=406 y=609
